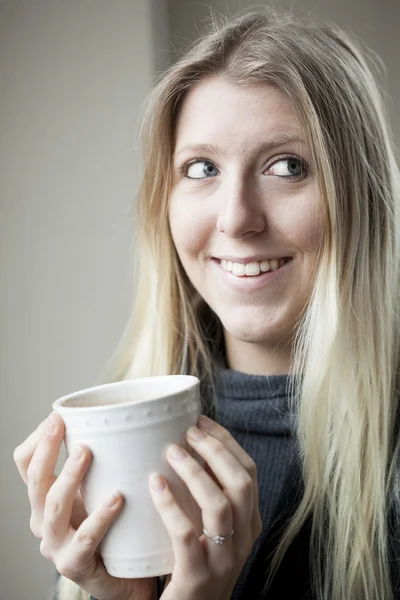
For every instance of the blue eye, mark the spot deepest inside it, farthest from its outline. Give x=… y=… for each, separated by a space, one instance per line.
x=293 y=163
x=200 y=169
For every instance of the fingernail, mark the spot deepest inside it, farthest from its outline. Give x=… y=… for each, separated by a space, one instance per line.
x=156 y=482
x=195 y=433
x=177 y=452
x=114 y=498
x=205 y=423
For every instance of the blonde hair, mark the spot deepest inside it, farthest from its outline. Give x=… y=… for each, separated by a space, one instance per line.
x=347 y=343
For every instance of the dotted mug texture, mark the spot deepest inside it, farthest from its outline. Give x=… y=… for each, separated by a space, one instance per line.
x=128 y=426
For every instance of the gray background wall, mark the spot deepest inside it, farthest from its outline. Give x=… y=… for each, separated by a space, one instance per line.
x=73 y=76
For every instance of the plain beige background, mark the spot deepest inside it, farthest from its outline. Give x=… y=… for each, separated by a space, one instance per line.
x=73 y=77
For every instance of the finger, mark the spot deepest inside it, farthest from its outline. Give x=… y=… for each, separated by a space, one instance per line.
x=22 y=458
x=223 y=435
x=215 y=507
x=212 y=428
x=23 y=453
x=190 y=560
x=237 y=485
x=61 y=497
x=77 y=559
x=40 y=471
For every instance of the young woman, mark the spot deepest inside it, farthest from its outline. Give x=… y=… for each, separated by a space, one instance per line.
x=268 y=248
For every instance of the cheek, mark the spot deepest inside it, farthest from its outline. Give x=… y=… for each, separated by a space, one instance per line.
x=190 y=229
x=306 y=234
x=306 y=225
x=313 y=232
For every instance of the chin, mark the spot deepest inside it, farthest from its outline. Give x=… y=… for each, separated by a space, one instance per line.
x=251 y=332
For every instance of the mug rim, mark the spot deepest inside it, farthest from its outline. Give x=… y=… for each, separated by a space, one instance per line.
x=192 y=381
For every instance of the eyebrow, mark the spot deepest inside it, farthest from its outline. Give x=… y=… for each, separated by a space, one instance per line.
x=268 y=144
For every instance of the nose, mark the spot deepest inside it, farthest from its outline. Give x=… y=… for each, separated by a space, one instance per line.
x=240 y=213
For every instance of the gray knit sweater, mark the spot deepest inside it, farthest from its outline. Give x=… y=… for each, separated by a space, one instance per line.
x=254 y=409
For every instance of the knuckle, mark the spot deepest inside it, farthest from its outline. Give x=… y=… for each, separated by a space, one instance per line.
x=66 y=569
x=18 y=455
x=45 y=550
x=186 y=535
x=244 y=483
x=53 y=507
x=81 y=537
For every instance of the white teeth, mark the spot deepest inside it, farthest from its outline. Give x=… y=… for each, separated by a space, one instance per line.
x=274 y=264
x=252 y=269
x=265 y=266
x=239 y=269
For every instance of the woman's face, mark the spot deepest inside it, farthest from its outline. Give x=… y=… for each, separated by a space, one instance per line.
x=243 y=192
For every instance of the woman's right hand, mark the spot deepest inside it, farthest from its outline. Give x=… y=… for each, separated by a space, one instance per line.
x=69 y=537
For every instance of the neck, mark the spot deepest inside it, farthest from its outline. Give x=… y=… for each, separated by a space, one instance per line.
x=257 y=359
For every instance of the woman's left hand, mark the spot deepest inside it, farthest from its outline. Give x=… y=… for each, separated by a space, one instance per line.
x=226 y=491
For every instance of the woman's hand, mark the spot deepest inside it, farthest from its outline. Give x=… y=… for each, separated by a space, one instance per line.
x=69 y=537
x=227 y=493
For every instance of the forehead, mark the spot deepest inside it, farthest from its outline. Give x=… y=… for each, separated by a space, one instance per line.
x=215 y=109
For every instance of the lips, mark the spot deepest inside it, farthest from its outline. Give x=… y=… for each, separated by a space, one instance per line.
x=251 y=259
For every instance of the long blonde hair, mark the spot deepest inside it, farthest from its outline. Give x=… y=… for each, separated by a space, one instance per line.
x=347 y=343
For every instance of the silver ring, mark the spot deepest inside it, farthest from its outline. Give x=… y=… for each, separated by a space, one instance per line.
x=218 y=539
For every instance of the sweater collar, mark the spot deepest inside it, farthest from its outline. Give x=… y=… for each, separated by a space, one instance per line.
x=235 y=384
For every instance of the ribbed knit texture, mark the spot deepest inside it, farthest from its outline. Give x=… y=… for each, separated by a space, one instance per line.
x=255 y=410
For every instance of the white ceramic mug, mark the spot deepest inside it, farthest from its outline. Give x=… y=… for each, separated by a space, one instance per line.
x=128 y=426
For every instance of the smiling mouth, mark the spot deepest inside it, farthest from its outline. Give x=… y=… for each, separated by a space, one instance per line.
x=253 y=269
